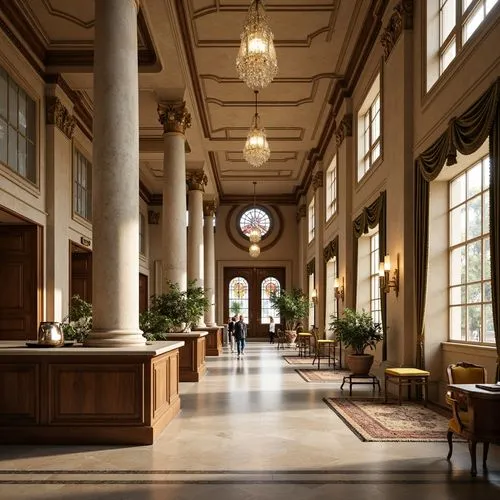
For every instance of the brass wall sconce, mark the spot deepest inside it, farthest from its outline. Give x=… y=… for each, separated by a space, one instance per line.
x=386 y=282
x=339 y=288
x=314 y=296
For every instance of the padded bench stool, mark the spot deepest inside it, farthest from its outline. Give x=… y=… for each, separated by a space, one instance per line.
x=406 y=376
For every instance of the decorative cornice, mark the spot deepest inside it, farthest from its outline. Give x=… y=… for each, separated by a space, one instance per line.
x=401 y=19
x=58 y=115
x=344 y=129
x=311 y=267
x=209 y=208
x=301 y=212
x=174 y=117
x=317 y=181
x=153 y=217
x=196 y=180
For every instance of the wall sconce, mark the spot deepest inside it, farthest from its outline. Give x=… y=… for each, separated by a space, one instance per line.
x=339 y=289
x=384 y=271
x=314 y=296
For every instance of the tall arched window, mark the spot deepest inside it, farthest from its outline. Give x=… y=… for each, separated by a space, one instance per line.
x=238 y=294
x=268 y=286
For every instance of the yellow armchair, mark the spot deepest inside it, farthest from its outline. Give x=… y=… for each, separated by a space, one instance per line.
x=459 y=424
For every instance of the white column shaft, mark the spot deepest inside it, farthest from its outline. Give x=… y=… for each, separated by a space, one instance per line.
x=174 y=240
x=195 y=237
x=209 y=268
x=115 y=177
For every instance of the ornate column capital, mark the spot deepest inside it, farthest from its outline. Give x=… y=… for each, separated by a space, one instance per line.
x=58 y=115
x=344 y=129
x=401 y=19
x=301 y=212
x=209 y=208
x=196 y=180
x=174 y=116
x=317 y=180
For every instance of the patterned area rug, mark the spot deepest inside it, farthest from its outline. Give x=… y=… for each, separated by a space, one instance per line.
x=372 y=420
x=315 y=375
x=295 y=360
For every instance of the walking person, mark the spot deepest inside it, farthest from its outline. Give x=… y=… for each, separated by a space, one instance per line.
x=240 y=334
x=272 y=331
x=230 y=331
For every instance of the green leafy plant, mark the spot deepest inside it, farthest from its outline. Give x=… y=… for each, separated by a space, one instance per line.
x=292 y=306
x=356 y=330
x=180 y=307
x=78 y=323
x=235 y=308
x=154 y=325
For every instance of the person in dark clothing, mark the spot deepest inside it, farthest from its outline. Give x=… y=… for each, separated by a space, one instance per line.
x=240 y=334
x=230 y=331
x=272 y=330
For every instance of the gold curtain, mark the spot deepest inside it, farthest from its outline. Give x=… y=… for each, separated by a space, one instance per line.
x=464 y=134
x=369 y=217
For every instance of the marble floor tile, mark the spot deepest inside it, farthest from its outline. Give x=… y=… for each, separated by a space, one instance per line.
x=251 y=429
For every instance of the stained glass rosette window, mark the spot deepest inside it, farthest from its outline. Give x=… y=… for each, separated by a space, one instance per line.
x=255 y=218
x=268 y=286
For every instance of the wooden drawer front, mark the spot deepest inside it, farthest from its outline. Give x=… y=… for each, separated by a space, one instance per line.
x=19 y=394
x=96 y=393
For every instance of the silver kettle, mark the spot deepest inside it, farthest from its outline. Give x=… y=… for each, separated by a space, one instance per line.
x=50 y=333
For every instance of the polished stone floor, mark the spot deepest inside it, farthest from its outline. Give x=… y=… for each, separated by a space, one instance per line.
x=251 y=429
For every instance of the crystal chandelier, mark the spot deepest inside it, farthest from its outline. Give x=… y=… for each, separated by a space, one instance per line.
x=256 y=150
x=256 y=62
x=254 y=250
x=254 y=235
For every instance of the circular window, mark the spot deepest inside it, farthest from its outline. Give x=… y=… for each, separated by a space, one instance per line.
x=255 y=217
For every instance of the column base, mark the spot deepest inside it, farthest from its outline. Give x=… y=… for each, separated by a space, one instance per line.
x=114 y=338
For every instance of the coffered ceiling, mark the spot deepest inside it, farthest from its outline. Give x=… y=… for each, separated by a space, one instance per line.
x=187 y=50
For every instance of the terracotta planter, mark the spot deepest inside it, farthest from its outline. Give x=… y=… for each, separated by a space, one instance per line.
x=360 y=364
x=290 y=336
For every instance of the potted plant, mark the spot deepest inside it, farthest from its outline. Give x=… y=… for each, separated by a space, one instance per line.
x=78 y=323
x=357 y=330
x=154 y=326
x=182 y=308
x=292 y=307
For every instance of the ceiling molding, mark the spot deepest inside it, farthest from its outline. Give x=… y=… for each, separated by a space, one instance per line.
x=42 y=57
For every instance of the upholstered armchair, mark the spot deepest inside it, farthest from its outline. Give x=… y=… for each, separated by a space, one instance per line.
x=459 y=424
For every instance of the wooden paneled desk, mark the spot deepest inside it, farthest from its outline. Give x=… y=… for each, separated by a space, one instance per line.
x=483 y=417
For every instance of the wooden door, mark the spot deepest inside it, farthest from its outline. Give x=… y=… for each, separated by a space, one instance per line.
x=81 y=273
x=143 y=293
x=20 y=278
x=250 y=286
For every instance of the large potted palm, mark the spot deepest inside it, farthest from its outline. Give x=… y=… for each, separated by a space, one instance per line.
x=358 y=331
x=292 y=307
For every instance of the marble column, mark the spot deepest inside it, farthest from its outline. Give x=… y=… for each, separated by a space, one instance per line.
x=196 y=181
x=115 y=177
x=175 y=119
x=209 y=208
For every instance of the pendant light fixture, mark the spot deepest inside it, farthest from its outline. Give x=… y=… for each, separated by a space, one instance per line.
x=255 y=234
x=256 y=151
x=254 y=250
x=256 y=61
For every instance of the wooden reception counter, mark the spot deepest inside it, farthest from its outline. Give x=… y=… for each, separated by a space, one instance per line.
x=214 y=339
x=192 y=365
x=86 y=395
